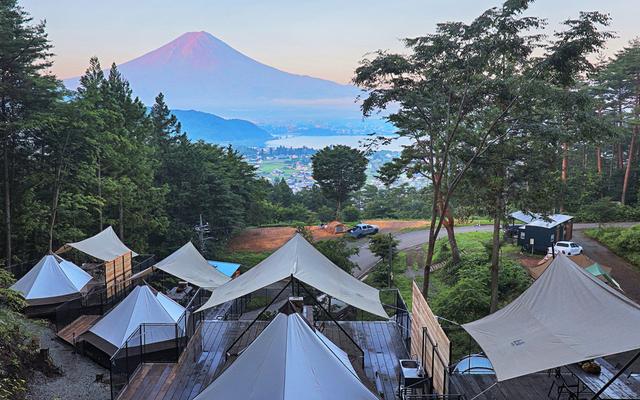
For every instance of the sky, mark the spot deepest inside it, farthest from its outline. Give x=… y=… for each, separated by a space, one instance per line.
x=325 y=39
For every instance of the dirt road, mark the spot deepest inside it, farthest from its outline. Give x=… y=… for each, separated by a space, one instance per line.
x=627 y=275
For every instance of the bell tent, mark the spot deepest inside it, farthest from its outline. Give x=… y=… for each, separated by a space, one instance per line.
x=52 y=280
x=141 y=306
x=289 y=360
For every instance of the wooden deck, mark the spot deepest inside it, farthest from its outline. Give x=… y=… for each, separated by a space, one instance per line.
x=77 y=328
x=536 y=386
x=380 y=341
x=529 y=387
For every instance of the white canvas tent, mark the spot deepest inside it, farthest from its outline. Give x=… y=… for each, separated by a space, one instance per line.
x=566 y=316
x=289 y=360
x=298 y=258
x=105 y=246
x=52 y=280
x=141 y=306
x=189 y=265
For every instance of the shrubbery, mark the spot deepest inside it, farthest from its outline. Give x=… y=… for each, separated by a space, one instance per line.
x=605 y=210
x=18 y=349
x=623 y=241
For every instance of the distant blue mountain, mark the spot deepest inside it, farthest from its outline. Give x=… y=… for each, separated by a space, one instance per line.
x=214 y=129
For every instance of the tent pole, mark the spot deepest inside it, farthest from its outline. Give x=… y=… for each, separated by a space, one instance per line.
x=606 y=385
x=226 y=353
x=304 y=287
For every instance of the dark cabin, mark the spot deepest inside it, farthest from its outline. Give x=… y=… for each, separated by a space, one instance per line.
x=538 y=232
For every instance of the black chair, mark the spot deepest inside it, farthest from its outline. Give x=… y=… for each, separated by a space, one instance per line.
x=563 y=387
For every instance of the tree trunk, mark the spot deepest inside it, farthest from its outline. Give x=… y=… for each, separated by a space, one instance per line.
x=432 y=240
x=627 y=173
x=565 y=162
x=495 y=254
x=121 y=218
x=7 y=205
x=599 y=160
x=563 y=177
x=427 y=268
x=449 y=222
x=451 y=235
x=338 y=206
x=54 y=206
x=620 y=155
x=100 y=216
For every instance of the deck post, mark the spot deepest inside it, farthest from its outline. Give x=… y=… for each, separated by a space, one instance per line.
x=304 y=287
x=226 y=353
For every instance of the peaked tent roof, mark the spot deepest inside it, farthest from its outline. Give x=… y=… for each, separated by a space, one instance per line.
x=289 y=360
x=52 y=278
x=561 y=319
x=105 y=246
x=300 y=259
x=188 y=264
x=140 y=306
x=534 y=219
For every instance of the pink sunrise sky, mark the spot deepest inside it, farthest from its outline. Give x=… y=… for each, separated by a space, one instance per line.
x=324 y=39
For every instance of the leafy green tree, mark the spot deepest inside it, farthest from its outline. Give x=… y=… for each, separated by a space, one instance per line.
x=281 y=194
x=350 y=213
x=384 y=246
x=462 y=89
x=27 y=92
x=339 y=171
x=339 y=252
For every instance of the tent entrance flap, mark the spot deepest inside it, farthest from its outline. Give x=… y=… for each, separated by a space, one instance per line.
x=560 y=319
x=298 y=258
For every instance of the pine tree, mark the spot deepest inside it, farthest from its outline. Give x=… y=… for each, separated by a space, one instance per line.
x=27 y=92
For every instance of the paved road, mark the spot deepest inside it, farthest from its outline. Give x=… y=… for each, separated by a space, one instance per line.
x=366 y=260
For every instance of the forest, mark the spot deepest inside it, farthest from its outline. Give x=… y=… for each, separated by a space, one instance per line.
x=75 y=162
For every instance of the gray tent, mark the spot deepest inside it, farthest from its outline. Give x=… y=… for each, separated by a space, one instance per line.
x=141 y=306
x=289 y=360
x=52 y=280
x=300 y=260
x=566 y=316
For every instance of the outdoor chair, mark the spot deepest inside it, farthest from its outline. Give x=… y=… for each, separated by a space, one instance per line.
x=563 y=388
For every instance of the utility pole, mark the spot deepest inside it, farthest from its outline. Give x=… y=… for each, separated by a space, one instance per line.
x=390 y=261
x=201 y=229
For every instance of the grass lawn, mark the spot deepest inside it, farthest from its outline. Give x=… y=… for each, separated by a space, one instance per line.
x=246 y=259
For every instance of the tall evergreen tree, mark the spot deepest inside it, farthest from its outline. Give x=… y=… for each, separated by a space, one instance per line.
x=27 y=92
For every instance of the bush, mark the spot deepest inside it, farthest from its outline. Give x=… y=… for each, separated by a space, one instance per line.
x=18 y=349
x=339 y=252
x=325 y=214
x=606 y=210
x=351 y=214
x=625 y=242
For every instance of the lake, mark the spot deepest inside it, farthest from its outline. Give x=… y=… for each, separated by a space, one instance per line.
x=318 y=142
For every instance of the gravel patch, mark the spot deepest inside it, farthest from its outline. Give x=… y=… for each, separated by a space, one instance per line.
x=78 y=374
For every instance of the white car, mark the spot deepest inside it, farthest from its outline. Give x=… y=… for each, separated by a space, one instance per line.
x=567 y=248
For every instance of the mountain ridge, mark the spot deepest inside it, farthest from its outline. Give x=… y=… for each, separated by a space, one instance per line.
x=212 y=128
x=199 y=71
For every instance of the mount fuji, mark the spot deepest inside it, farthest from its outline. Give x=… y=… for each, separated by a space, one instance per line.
x=199 y=71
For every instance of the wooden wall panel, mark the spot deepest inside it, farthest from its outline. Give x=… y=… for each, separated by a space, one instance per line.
x=428 y=340
x=117 y=272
